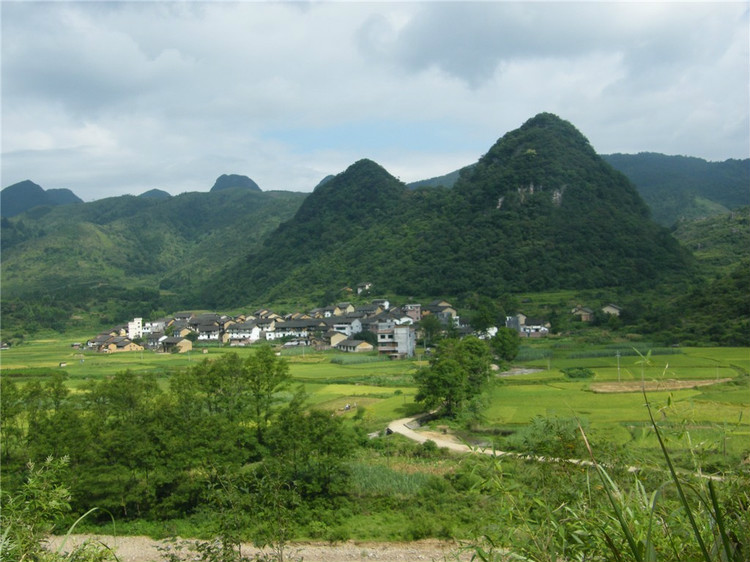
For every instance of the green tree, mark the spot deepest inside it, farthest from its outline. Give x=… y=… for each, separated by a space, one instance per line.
x=266 y=376
x=431 y=328
x=487 y=313
x=458 y=372
x=32 y=512
x=505 y=344
x=310 y=449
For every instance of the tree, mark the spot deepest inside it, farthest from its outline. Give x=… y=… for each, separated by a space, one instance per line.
x=30 y=514
x=487 y=314
x=431 y=328
x=265 y=375
x=458 y=372
x=309 y=450
x=505 y=343
x=443 y=385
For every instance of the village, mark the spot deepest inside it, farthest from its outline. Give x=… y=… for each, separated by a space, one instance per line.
x=377 y=326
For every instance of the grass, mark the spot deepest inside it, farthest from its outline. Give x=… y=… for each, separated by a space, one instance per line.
x=376 y=479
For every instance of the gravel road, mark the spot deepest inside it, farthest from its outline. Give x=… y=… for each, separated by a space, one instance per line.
x=144 y=549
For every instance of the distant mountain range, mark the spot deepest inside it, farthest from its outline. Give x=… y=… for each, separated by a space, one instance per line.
x=682 y=187
x=23 y=196
x=674 y=187
x=540 y=211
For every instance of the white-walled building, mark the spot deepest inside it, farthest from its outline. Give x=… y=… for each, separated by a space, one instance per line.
x=135 y=328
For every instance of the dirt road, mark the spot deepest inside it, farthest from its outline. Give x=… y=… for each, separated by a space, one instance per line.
x=144 y=549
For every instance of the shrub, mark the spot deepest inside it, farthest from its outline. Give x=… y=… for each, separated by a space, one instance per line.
x=578 y=373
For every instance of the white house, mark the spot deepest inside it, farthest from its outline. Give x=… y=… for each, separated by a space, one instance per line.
x=135 y=328
x=247 y=332
x=348 y=326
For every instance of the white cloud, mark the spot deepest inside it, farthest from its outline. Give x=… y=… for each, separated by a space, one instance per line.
x=109 y=98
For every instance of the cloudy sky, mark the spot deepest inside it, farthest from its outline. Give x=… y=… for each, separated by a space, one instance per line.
x=107 y=98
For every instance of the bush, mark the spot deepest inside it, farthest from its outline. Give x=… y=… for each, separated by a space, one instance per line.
x=578 y=373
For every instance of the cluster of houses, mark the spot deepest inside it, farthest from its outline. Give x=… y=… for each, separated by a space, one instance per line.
x=392 y=328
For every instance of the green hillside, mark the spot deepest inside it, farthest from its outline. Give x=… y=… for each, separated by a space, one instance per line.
x=718 y=242
x=674 y=187
x=88 y=255
x=682 y=187
x=539 y=211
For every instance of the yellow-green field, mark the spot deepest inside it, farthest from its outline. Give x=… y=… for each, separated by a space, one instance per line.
x=383 y=390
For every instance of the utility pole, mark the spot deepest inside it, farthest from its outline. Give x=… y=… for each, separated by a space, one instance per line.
x=618 y=365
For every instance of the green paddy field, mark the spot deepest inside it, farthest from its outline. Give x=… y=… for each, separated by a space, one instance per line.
x=701 y=393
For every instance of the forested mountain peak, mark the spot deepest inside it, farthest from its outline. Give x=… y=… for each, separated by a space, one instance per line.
x=546 y=159
x=155 y=194
x=25 y=195
x=365 y=189
x=230 y=181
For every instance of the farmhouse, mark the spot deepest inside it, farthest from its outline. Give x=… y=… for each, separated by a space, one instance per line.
x=176 y=345
x=345 y=325
x=244 y=333
x=354 y=346
x=584 y=313
x=527 y=326
x=611 y=309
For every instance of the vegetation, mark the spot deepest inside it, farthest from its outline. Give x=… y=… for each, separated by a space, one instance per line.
x=127 y=256
x=485 y=235
x=179 y=448
x=458 y=373
x=682 y=187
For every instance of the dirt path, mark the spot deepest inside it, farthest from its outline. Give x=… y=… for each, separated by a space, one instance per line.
x=145 y=549
x=652 y=386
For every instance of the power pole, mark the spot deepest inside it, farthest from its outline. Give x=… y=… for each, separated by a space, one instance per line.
x=618 y=365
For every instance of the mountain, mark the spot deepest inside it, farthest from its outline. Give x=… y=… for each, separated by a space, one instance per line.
x=155 y=194
x=23 y=196
x=122 y=253
x=541 y=210
x=682 y=187
x=674 y=187
x=231 y=181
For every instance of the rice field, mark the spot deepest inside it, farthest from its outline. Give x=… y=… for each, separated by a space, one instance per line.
x=379 y=391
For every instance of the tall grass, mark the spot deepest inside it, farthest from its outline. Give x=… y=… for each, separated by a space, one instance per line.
x=384 y=481
x=532 y=354
x=358 y=359
x=700 y=528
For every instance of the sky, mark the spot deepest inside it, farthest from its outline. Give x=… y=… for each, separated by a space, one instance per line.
x=113 y=98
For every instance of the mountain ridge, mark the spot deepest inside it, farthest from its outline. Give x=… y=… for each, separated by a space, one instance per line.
x=26 y=195
x=234 y=181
